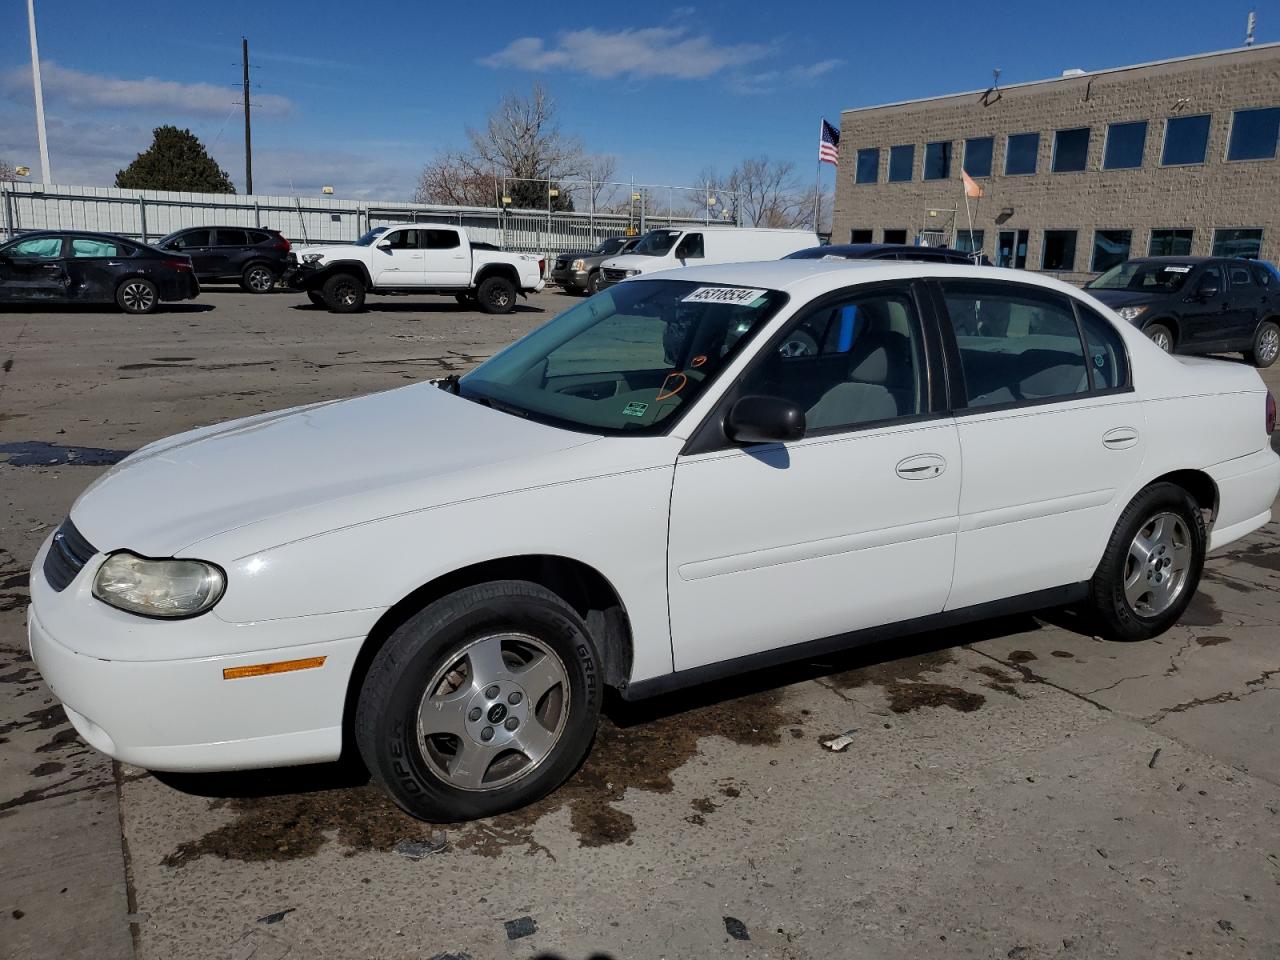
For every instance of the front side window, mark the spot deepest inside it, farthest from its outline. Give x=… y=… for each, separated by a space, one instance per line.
x=1059 y=252
x=937 y=160
x=1108 y=362
x=1070 y=150
x=656 y=243
x=231 y=238
x=628 y=360
x=88 y=247
x=849 y=363
x=1237 y=243
x=1170 y=243
x=1020 y=154
x=1145 y=276
x=38 y=248
x=902 y=161
x=1185 y=140
x=1016 y=344
x=1254 y=134
x=404 y=239
x=1126 y=143
x=188 y=240
x=442 y=239
x=691 y=247
x=977 y=156
x=868 y=165
x=1109 y=248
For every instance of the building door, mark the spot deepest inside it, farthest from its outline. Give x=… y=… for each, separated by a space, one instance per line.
x=1013 y=249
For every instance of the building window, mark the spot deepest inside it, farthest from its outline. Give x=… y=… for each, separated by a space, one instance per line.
x=895 y=236
x=1126 y=143
x=868 y=167
x=1185 y=140
x=969 y=241
x=1020 y=154
x=1170 y=243
x=859 y=236
x=1235 y=242
x=977 y=156
x=1059 y=252
x=1110 y=247
x=1070 y=150
x=937 y=160
x=902 y=161
x=1254 y=134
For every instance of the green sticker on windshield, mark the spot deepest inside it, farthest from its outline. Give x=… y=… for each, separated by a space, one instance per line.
x=635 y=409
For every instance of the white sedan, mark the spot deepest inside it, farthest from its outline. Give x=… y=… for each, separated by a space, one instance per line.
x=689 y=475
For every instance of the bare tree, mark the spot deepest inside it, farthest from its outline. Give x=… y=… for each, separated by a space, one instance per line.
x=454 y=178
x=769 y=195
x=597 y=170
x=6 y=170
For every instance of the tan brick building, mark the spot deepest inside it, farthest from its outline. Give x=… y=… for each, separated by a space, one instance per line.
x=1079 y=171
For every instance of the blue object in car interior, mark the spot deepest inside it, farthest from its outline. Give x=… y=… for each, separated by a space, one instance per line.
x=848 y=326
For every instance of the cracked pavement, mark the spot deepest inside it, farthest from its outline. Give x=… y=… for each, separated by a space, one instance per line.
x=1016 y=788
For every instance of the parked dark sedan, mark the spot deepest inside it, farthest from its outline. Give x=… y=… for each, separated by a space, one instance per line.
x=71 y=267
x=887 y=251
x=254 y=258
x=1198 y=304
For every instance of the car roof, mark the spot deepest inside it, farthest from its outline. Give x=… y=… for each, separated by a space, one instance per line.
x=30 y=234
x=868 y=249
x=1175 y=259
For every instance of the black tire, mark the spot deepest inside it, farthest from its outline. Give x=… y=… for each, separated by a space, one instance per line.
x=430 y=652
x=257 y=278
x=137 y=295
x=1115 y=614
x=496 y=295
x=1161 y=336
x=316 y=297
x=344 y=293
x=593 y=283
x=1266 y=344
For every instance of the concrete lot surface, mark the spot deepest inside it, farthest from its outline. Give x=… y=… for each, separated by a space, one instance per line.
x=1017 y=789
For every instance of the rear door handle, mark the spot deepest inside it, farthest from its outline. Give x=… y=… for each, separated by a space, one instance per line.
x=923 y=466
x=1120 y=438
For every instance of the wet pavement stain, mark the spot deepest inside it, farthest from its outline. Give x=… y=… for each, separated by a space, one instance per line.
x=1259 y=555
x=905 y=697
x=1209 y=641
x=1021 y=656
x=640 y=756
x=1062 y=654
x=1201 y=612
x=892 y=671
x=1000 y=681
x=47 y=769
x=37 y=453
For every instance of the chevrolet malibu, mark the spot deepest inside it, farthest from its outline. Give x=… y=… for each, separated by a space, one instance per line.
x=652 y=490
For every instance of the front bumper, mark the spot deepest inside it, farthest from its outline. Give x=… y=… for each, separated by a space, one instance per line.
x=575 y=280
x=181 y=714
x=298 y=276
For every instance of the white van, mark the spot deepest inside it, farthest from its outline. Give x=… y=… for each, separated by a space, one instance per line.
x=672 y=247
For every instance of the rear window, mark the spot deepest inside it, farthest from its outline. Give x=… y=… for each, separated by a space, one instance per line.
x=231 y=238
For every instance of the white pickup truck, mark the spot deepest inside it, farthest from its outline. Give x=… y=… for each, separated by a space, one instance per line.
x=415 y=258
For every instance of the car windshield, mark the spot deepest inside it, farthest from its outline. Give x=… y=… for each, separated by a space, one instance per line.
x=815 y=253
x=368 y=239
x=609 y=247
x=1151 y=276
x=657 y=243
x=626 y=361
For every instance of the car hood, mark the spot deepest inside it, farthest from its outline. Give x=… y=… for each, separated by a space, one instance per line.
x=1124 y=298
x=328 y=251
x=303 y=471
x=637 y=261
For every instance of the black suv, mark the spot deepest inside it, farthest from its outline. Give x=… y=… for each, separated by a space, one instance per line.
x=253 y=257
x=1198 y=304
x=887 y=251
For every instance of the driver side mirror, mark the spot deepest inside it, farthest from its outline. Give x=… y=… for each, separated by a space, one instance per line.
x=761 y=419
x=384 y=244
x=1208 y=288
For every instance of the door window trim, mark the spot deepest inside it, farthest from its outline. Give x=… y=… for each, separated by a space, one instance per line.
x=709 y=436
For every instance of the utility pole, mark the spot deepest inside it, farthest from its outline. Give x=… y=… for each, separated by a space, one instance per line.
x=45 y=176
x=248 y=136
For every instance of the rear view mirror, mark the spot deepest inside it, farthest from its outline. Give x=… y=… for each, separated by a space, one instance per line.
x=760 y=419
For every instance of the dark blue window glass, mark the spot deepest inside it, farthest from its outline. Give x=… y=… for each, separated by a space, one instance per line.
x=1254 y=134
x=977 y=156
x=1185 y=140
x=868 y=170
x=937 y=160
x=901 y=161
x=1020 y=154
x=1125 y=145
x=1070 y=150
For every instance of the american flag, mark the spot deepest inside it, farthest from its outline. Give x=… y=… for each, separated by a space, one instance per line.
x=827 y=152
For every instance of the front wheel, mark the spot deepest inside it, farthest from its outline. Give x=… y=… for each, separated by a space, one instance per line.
x=484 y=701
x=344 y=293
x=1151 y=566
x=1266 y=344
x=496 y=295
x=1161 y=336
x=593 y=283
x=137 y=296
x=257 y=278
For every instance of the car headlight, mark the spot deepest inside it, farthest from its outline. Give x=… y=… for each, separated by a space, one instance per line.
x=312 y=257
x=158 y=588
x=578 y=265
x=632 y=273
x=1131 y=313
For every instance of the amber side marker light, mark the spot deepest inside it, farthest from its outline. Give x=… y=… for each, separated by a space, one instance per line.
x=266 y=669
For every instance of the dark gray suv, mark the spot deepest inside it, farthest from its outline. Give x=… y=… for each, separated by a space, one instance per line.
x=580 y=272
x=253 y=257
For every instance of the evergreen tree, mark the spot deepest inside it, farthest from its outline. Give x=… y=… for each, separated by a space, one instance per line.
x=176 y=160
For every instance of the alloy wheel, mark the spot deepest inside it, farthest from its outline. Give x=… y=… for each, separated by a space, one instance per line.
x=494 y=712
x=1155 y=572
x=1269 y=345
x=1162 y=340
x=137 y=297
x=260 y=279
x=346 y=294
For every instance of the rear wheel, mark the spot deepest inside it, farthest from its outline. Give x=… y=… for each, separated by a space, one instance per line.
x=482 y=702
x=137 y=295
x=1266 y=344
x=1161 y=336
x=1151 y=566
x=344 y=293
x=496 y=295
x=257 y=278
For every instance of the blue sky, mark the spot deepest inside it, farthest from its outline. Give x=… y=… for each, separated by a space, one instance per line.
x=360 y=94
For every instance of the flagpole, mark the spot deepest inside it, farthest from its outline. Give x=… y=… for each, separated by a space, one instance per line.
x=817 y=178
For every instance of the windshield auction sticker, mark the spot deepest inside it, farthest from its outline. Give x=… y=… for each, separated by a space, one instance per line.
x=1177 y=269
x=736 y=296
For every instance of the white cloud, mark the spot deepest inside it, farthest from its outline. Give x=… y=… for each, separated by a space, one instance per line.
x=88 y=90
x=770 y=80
x=671 y=52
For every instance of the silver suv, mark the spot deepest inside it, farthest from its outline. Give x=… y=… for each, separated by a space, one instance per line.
x=580 y=272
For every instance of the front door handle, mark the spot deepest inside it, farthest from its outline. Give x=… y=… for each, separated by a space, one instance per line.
x=1120 y=438
x=923 y=466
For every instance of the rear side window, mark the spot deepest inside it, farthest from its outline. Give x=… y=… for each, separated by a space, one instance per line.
x=194 y=238
x=1108 y=361
x=89 y=247
x=231 y=238
x=1265 y=277
x=442 y=239
x=1240 y=274
x=1017 y=345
